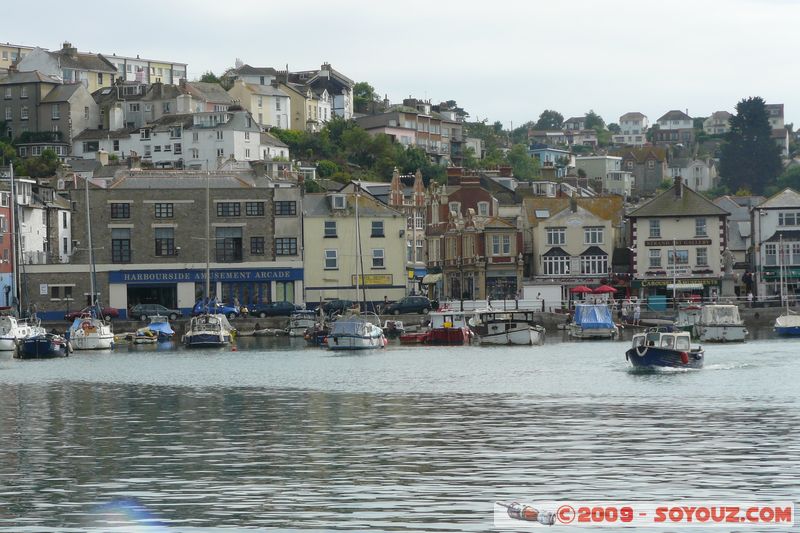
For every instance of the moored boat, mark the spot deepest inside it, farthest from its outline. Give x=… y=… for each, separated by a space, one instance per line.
x=300 y=321
x=788 y=325
x=448 y=328
x=160 y=326
x=12 y=331
x=592 y=321
x=506 y=327
x=664 y=347
x=393 y=329
x=356 y=332
x=720 y=323
x=208 y=331
x=88 y=332
x=43 y=346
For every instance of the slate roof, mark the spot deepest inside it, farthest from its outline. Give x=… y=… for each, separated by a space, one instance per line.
x=91 y=134
x=136 y=180
x=61 y=93
x=84 y=165
x=786 y=198
x=675 y=115
x=268 y=138
x=633 y=115
x=82 y=61
x=28 y=77
x=690 y=203
x=785 y=234
x=556 y=251
x=247 y=70
x=318 y=204
x=209 y=92
x=594 y=250
x=265 y=90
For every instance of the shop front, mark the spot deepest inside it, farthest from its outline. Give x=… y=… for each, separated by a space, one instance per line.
x=661 y=292
x=182 y=288
x=501 y=284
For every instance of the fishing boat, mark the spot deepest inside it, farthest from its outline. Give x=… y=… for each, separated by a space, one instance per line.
x=393 y=329
x=88 y=332
x=720 y=323
x=448 y=328
x=316 y=334
x=356 y=332
x=300 y=321
x=664 y=347
x=43 y=345
x=12 y=331
x=688 y=316
x=506 y=327
x=592 y=321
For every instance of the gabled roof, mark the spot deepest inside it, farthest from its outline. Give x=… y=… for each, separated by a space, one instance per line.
x=556 y=251
x=640 y=155
x=667 y=204
x=83 y=61
x=93 y=135
x=268 y=138
x=247 y=70
x=784 y=234
x=593 y=250
x=786 y=198
x=575 y=119
x=721 y=115
x=633 y=115
x=675 y=115
x=61 y=93
x=265 y=90
x=208 y=92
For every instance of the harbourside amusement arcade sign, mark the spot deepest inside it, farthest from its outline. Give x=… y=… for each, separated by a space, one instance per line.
x=198 y=276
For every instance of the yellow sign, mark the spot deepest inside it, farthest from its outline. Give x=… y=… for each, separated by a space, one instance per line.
x=373 y=279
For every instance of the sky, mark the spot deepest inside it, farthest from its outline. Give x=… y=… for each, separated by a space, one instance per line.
x=501 y=60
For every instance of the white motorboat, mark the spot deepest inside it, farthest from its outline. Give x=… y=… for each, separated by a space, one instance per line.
x=506 y=327
x=720 y=323
x=207 y=331
x=300 y=321
x=13 y=331
x=356 y=332
x=88 y=332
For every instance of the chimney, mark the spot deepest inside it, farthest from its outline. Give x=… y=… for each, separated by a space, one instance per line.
x=678 y=187
x=68 y=49
x=134 y=161
x=184 y=104
x=454 y=175
x=102 y=157
x=573 y=202
x=505 y=172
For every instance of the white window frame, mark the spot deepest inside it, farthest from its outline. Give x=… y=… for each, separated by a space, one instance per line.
x=331 y=259
x=378 y=258
x=593 y=235
x=701 y=257
x=655 y=228
x=655 y=258
x=700 y=227
x=556 y=236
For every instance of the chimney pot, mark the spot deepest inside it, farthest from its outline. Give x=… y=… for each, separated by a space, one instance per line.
x=678 y=187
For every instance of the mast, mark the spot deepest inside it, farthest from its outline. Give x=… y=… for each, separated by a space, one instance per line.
x=16 y=245
x=780 y=270
x=360 y=266
x=208 y=237
x=93 y=293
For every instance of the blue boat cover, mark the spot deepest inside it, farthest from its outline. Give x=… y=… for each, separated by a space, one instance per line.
x=591 y=316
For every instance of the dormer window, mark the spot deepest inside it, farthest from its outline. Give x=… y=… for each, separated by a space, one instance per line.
x=338 y=201
x=483 y=209
x=455 y=207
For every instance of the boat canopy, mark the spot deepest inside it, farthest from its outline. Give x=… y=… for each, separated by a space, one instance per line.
x=590 y=316
x=350 y=326
x=721 y=314
x=160 y=324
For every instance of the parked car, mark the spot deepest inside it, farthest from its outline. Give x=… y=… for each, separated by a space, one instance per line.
x=283 y=308
x=108 y=313
x=410 y=304
x=143 y=311
x=217 y=308
x=332 y=307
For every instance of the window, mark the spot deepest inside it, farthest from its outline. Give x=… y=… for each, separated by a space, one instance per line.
x=377 y=258
x=629 y=164
x=228 y=244
x=285 y=208
x=256 y=245
x=330 y=228
x=655 y=228
x=277 y=104
x=119 y=210
x=65 y=245
x=23 y=92
x=377 y=228
x=195 y=153
x=556 y=265
x=655 y=258
x=115 y=145
x=455 y=207
x=700 y=227
x=195 y=136
x=99 y=78
x=331 y=260
x=8 y=93
x=85 y=113
x=55 y=292
x=593 y=235
x=286 y=246
x=178 y=149
x=220 y=152
x=678 y=257
x=501 y=245
x=419 y=222
x=165 y=107
x=163 y=210
x=556 y=236
x=55 y=111
x=165 y=241
x=339 y=202
x=260 y=101
x=120 y=245
x=9 y=112
x=229 y=209
x=788 y=219
x=157 y=148
x=770 y=254
x=651 y=164
x=64 y=220
x=254 y=209
x=702 y=256
x=594 y=264
x=483 y=209
x=219 y=135
x=23 y=113
x=133 y=107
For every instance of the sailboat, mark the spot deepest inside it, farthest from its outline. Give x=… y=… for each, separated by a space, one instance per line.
x=208 y=330
x=89 y=331
x=788 y=324
x=360 y=331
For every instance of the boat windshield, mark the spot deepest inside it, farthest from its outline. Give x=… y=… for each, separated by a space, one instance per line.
x=721 y=314
x=349 y=327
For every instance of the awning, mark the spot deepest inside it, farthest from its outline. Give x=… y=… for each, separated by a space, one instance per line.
x=685 y=286
x=430 y=279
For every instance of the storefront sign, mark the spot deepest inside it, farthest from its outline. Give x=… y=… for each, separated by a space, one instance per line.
x=197 y=276
x=679 y=242
x=368 y=280
x=43 y=289
x=664 y=282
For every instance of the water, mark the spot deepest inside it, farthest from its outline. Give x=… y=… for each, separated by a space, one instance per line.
x=281 y=436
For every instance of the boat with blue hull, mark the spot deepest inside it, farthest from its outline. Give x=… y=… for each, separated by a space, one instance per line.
x=206 y=331
x=788 y=325
x=43 y=346
x=664 y=348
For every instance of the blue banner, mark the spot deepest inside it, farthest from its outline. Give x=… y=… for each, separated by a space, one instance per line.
x=199 y=276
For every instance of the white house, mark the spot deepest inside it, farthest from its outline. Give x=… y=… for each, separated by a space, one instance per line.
x=633 y=127
x=699 y=174
x=718 y=123
x=675 y=120
x=776 y=222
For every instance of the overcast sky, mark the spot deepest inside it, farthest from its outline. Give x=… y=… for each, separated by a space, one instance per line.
x=501 y=59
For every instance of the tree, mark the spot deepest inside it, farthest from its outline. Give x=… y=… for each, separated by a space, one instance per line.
x=7 y=153
x=209 y=77
x=42 y=166
x=520 y=135
x=614 y=128
x=750 y=159
x=790 y=178
x=594 y=121
x=550 y=120
x=523 y=165
x=363 y=95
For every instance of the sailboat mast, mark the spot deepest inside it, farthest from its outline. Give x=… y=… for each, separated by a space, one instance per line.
x=359 y=271
x=208 y=237
x=91 y=248
x=360 y=255
x=16 y=248
x=780 y=269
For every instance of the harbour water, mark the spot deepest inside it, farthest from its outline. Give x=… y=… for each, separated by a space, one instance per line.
x=277 y=435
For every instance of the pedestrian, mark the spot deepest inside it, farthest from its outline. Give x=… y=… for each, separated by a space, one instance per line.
x=625 y=307
x=637 y=311
x=749 y=298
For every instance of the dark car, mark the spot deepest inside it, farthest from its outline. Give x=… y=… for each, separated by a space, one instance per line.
x=283 y=308
x=143 y=311
x=218 y=308
x=332 y=307
x=108 y=313
x=410 y=304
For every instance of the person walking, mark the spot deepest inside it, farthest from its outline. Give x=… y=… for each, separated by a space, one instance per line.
x=637 y=311
x=749 y=298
